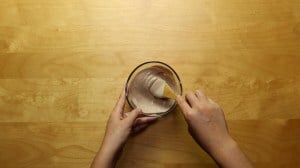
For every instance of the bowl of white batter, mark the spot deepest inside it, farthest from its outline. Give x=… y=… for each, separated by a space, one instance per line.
x=138 y=85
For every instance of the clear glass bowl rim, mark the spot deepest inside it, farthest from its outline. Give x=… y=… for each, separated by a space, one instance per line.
x=153 y=62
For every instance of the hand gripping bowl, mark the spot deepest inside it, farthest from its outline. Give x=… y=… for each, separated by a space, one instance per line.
x=138 y=94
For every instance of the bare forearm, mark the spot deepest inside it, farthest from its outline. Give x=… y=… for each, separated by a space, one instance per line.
x=105 y=158
x=231 y=156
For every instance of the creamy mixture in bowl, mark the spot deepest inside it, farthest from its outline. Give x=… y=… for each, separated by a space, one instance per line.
x=139 y=83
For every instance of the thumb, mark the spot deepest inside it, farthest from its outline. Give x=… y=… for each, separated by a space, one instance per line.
x=185 y=107
x=131 y=116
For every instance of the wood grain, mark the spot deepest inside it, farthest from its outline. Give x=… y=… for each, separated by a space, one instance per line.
x=64 y=63
x=65 y=144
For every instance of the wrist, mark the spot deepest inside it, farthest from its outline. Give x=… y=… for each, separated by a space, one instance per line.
x=107 y=155
x=105 y=158
x=224 y=148
x=230 y=155
x=109 y=151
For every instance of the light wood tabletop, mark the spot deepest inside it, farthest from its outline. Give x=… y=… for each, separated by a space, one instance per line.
x=63 y=64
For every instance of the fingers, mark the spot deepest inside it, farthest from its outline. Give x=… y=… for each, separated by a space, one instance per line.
x=142 y=123
x=183 y=105
x=145 y=120
x=139 y=128
x=121 y=103
x=131 y=116
x=200 y=95
x=191 y=98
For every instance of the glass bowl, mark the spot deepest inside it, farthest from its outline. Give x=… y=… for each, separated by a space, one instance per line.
x=137 y=90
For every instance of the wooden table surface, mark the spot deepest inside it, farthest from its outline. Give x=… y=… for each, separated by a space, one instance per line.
x=63 y=64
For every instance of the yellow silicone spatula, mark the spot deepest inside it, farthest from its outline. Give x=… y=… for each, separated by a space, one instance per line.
x=161 y=89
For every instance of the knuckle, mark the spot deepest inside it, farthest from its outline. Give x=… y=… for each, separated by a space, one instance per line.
x=190 y=115
x=189 y=93
x=215 y=106
x=200 y=107
x=180 y=101
x=199 y=91
x=214 y=103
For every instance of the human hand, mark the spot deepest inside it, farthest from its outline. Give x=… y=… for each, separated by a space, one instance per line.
x=205 y=119
x=207 y=125
x=119 y=127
